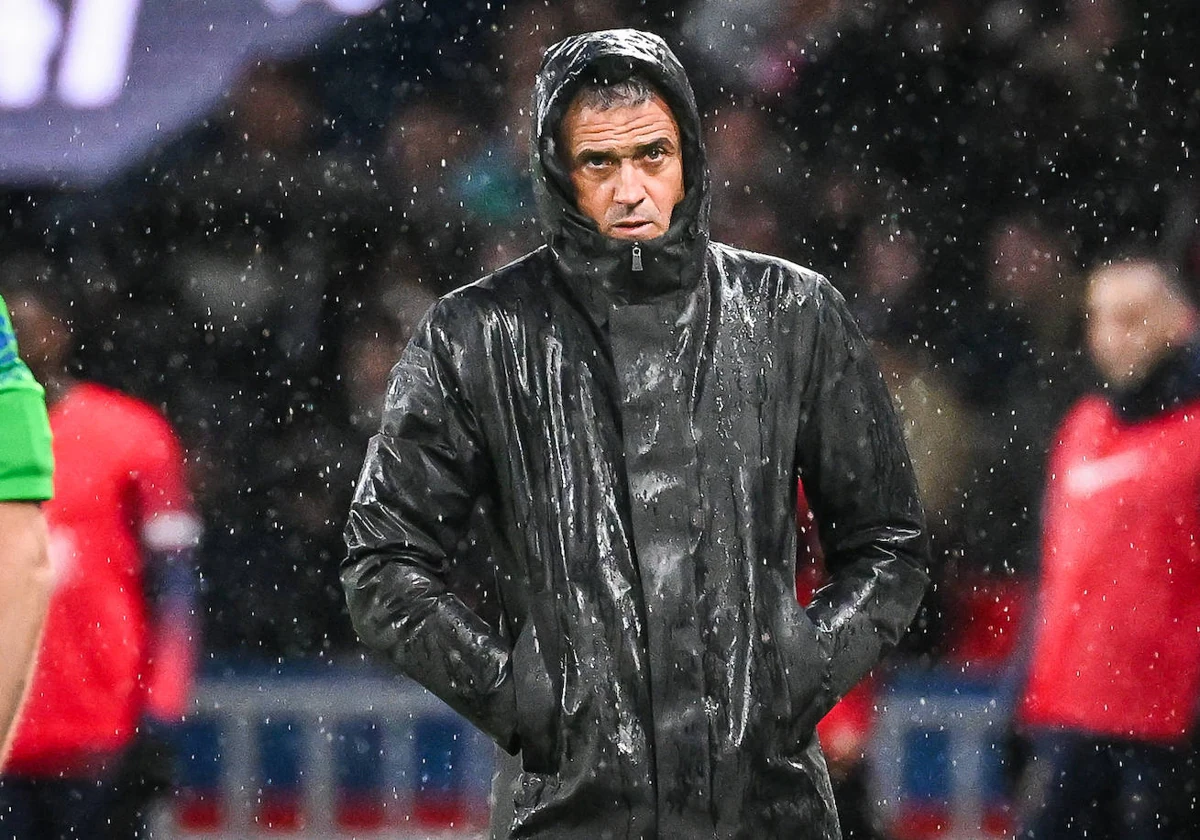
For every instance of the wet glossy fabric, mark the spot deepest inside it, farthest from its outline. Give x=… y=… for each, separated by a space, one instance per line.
x=639 y=436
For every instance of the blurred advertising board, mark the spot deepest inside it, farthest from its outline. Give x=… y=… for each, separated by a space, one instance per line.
x=88 y=86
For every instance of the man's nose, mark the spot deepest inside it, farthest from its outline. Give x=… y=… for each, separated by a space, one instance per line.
x=629 y=189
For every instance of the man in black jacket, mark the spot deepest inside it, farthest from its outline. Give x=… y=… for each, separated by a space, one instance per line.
x=635 y=405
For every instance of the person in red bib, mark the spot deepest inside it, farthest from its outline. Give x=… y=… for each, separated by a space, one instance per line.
x=1114 y=671
x=119 y=644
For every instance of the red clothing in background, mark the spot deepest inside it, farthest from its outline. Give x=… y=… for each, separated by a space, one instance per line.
x=1117 y=648
x=119 y=494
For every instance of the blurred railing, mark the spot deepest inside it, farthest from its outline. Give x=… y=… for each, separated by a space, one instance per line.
x=334 y=754
x=347 y=753
x=939 y=758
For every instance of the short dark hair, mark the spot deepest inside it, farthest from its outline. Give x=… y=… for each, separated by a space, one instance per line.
x=602 y=94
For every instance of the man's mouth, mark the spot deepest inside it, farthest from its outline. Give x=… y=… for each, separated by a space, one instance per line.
x=632 y=225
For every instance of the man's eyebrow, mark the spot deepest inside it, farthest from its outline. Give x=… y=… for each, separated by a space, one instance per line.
x=664 y=143
x=661 y=143
x=587 y=153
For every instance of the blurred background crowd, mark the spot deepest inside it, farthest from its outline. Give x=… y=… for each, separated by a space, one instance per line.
x=954 y=166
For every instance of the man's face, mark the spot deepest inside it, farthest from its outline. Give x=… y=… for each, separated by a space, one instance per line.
x=44 y=340
x=1129 y=321
x=626 y=165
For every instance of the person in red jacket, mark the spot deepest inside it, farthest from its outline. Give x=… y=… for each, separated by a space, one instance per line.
x=119 y=643
x=1114 y=673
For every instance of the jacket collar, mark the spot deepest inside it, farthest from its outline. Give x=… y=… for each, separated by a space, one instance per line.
x=1173 y=382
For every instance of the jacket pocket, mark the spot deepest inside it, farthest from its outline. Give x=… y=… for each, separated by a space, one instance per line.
x=536 y=704
x=805 y=667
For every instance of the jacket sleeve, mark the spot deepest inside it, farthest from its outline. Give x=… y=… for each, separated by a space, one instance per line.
x=422 y=474
x=26 y=458
x=855 y=468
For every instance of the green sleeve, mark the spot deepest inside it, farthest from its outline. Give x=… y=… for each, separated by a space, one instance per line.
x=26 y=461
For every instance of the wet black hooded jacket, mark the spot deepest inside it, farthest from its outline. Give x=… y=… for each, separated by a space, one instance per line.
x=638 y=435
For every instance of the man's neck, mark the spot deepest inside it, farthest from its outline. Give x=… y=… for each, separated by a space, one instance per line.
x=1174 y=380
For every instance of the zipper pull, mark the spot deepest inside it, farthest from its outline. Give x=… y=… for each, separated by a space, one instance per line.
x=637 y=257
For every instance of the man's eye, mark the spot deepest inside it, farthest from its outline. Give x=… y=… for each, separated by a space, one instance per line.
x=655 y=153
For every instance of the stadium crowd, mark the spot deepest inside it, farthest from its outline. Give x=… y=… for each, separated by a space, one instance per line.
x=953 y=167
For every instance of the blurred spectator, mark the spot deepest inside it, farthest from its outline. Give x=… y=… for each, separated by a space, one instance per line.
x=939 y=430
x=764 y=45
x=426 y=143
x=1114 y=674
x=888 y=289
x=26 y=469
x=1020 y=368
x=390 y=313
x=1031 y=277
x=273 y=113
x=749 y=167
x=1020 y=365
x=117 y=656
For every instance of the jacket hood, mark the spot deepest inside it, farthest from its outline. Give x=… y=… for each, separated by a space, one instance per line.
x=671 y=262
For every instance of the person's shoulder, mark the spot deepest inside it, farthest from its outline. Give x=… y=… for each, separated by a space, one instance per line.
x=13 y=372
x=103 y=405
x=1092 y=405
x=768 y=274
x=1088 y=414
x=497 y=291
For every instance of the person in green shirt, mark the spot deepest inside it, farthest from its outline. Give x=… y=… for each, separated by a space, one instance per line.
x=26 y=480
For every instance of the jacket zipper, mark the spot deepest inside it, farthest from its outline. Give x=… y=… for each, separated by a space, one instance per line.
x=637 y=257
